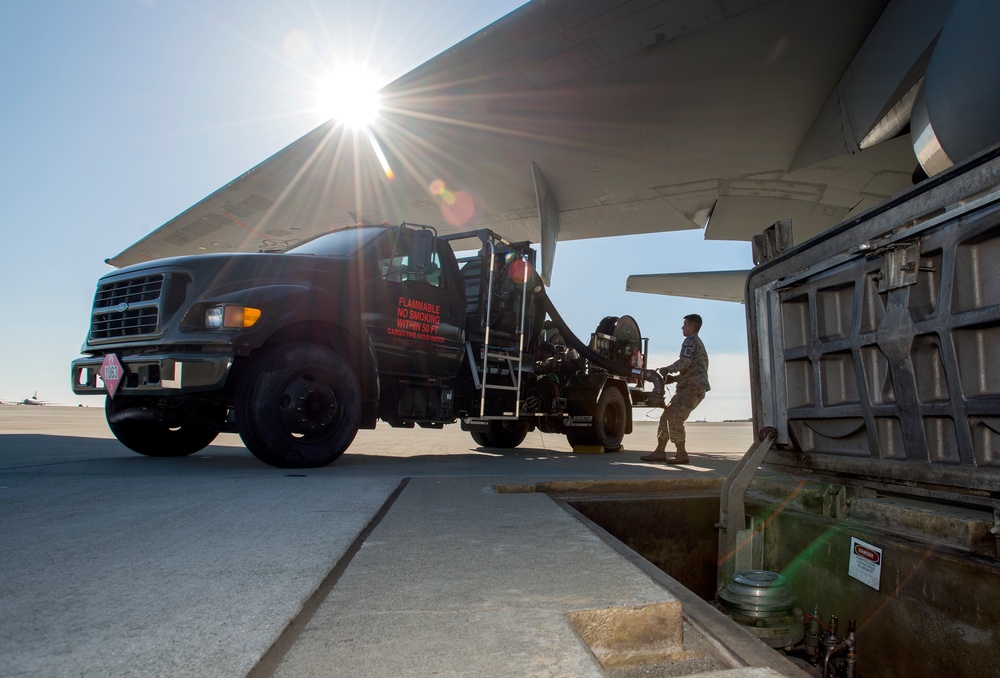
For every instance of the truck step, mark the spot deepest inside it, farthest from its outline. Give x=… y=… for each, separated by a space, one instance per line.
x=513 y=357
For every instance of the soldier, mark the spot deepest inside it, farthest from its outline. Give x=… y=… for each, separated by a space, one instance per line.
x=692 y=383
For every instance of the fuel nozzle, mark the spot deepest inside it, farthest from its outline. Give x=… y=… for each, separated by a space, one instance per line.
x=656 y=398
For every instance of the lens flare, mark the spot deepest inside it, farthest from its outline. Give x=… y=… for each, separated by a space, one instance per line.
x=297 y=45
x=519 y=270
x=389 y=174
x=457 y=207
x=459 y=212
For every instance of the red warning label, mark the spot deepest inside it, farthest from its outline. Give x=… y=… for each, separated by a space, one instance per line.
x=416 y=319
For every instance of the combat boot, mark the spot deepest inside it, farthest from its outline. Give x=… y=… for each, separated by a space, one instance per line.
x=680 y=457
x=659 y=454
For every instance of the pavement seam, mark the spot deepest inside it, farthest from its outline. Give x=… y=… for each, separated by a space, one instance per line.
x=271 y=660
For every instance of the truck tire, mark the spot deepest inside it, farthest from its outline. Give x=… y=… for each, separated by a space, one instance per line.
x=298 y=406
x=156 y=438
x=610 y=419
x=503 y=434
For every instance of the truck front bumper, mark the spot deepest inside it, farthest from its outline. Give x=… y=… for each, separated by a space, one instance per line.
x=155 y=375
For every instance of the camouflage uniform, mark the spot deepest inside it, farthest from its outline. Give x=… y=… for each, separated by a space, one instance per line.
x=692 y=384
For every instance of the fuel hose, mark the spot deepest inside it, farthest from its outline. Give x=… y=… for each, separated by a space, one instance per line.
x=657 y=397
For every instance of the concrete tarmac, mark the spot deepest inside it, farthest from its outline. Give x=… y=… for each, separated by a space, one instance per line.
x=398 y=559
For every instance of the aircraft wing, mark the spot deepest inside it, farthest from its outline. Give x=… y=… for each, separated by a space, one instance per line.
x=720 y=285
x=608 y=117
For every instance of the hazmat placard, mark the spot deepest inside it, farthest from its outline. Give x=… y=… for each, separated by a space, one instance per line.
x=866 y=563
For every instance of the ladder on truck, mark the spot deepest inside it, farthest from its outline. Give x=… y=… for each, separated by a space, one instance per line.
x=498 y=368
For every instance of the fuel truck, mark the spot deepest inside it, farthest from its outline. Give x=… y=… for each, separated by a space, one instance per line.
x=297 y=351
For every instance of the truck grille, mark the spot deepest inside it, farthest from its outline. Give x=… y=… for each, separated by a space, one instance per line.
x=127 y=308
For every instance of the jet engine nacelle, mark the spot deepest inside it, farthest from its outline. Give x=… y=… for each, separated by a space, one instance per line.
x=956 y=112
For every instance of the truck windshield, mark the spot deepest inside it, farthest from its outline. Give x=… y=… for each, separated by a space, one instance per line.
x=343 y=243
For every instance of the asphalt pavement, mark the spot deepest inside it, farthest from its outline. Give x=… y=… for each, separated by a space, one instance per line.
x=399 y=559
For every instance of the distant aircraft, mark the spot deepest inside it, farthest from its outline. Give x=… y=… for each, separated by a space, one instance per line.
x=33 y=400
x=571 y=119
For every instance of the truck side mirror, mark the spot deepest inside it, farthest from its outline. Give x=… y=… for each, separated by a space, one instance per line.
x=422 y=257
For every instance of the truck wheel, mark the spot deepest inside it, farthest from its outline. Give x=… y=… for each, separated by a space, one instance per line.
x=502 y=434
x=298 y=406
x=156 y=438
x=507 y=434
x=608 y=429
x=610 y=419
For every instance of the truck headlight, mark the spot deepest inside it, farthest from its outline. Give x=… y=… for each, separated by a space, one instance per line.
x=236 y=317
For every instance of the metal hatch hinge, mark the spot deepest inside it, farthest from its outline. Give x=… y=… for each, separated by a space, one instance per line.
x=900 y=266
x=776 y=239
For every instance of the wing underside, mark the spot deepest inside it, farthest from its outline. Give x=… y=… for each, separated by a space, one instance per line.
x=641 y=116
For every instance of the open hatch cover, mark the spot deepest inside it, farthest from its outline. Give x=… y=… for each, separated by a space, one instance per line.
x=875 y=348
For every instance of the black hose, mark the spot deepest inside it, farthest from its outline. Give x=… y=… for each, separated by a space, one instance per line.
x=651 y=376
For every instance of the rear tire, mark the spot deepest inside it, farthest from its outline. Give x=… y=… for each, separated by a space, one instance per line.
x=480 y=438
x=610 y=420
x=507 y=434
x=298 y=406
x=156 y=438
x=502 y=434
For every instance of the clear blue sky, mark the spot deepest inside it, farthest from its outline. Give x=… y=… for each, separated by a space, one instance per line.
x=119 y=114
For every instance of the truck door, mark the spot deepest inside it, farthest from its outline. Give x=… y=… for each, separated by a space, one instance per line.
x=415 y=320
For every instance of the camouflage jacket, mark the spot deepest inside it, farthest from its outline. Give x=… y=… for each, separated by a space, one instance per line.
x=692 y=365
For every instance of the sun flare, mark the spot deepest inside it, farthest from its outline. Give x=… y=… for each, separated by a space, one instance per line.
x=349 y=95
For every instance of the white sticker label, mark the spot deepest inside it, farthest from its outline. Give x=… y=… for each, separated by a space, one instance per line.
x=866 y=563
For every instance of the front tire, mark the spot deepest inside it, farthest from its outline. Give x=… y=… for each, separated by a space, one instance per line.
x=298 y=406
x=156 y=438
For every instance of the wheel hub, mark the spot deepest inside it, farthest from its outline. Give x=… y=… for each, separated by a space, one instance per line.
x=308 y=407
x=612 y=419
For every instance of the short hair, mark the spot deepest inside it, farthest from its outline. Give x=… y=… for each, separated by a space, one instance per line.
x=695 y=320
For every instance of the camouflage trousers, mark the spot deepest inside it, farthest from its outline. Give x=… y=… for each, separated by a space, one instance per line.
x=675 y=414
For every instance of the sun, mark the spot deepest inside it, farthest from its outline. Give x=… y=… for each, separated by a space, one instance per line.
x=349 y=95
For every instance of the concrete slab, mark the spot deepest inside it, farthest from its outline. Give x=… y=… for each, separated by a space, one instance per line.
x=120 y=564
x=126 y=567
x=456 y=565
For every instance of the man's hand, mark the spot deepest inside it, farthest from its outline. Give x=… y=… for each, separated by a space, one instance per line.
x=667 y=378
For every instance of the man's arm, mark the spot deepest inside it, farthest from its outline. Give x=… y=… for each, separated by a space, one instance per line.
x=667 y=377
x=683 y=362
